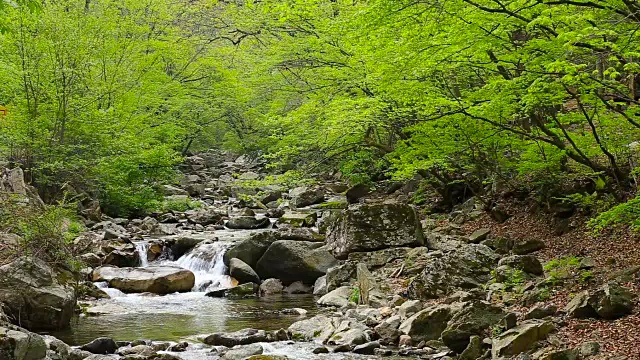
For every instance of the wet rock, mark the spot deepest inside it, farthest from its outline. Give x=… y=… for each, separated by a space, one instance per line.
x=526 y=247
x=294 y=311
x=298 y=288
x=184 y=244
x=429 y=323
x=243 y=291
x=179 y=347
x=242 y=272
x=319 y=329
x=291 y=261
x=297 y=220
x=242 y=337
x=122 y=258
x=371 y=227
x=367 y=348
x=521 y=338
x=243 y=352
x=320 y=286
x=466 y=267
x=21 y=345
x=338 y=297
x=527 y=263
x=152 y=279
x=141 y=350
x=35 y=295
x=473 y=319
x=320 y=350
x=248 y=223
x=101 y=345
x=303 y=196
x=271 y=287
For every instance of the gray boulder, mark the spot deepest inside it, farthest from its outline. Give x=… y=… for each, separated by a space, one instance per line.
x=243 y=352
x=242 y=337
x=527 y=263
x=303 y=196
x=319 y=329
x=271 y=287
x=388 y=331
x=291 y=261
x=153 y=279
x=250 y=250
x=371 y=227
x=612 y=301
x=474 y=319
x=320 y=286
x=242 y=272
x=429 y=323
x=340 y=275
x=35 y=296
x=101 y=346
x=338 y=297
x=466 y=267
x=248 y=223
x=21 y=345
x=521 y=338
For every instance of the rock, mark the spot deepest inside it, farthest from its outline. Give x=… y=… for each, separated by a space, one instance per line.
x=586 y=263
x=443 y=274
x=291 y=261
x=388 y=331
x=501 y=245
x=429 y=323
x=370 y=293
x=243 y=352
x=184 y=244
x=552 y=353
x=473 y=319
x=153 y=279
x=371 y=227
x=474 y=349
x=271 y=287
x=271 y=196
x=376 y=259
x=409 y=308
x=357 y=192
x=101 y=345
x=297 y=220
x=319 y=329
x=172 y=190
x=299 y=234
x=242 y=337
x=248 y=223
x=348 y=336
x=294 y=311
x=122 y=258
x=35 y=296
x=204 y=217
x=320 y=286
x=541 y=312
x=91 y=259
x=367 y=348
x=242 y=291
x=141 y=350
x=526 y=247
x=521 y=338
x=479 y=235
x=589 y=349
x=303 y=196
x=340 y=275
x=298 y=288
x=242 y=272
x=250 y=250
x=320 y=350
x=338 y=297
x=527 y=263
x=579 y=306
x=612 y=301
x=405 y=341
x=21 y=345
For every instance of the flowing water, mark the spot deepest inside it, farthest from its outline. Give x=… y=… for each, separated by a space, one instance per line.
x=184 y=316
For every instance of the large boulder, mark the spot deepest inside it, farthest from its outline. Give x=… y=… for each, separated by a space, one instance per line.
x=35 y=296
x=319 y=328
x=153 y=279
x=250 y=250
x=466 y=267
x=520 y=339
x=291 y=261
x=248 y=223
x=21 y=345
x=429 y=323
x=242 y=272
x=610 y=302
x=339 y=297
x=474 y=319
x=371 y=227
x=103 y=345
x=303 y=196
x=245 y=337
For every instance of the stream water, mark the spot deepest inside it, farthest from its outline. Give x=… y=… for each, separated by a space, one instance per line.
x=184 y=316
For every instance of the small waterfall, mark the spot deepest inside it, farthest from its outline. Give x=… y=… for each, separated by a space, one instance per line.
x=206 y=262
x=142 y=248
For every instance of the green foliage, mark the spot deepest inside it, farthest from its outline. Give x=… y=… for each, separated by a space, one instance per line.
x=627 y=213
x=178 y=205
x=355 y=295
x=46 y=233
x=563 y=269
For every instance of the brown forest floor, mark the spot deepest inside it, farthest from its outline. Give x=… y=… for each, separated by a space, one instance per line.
x=611 y=252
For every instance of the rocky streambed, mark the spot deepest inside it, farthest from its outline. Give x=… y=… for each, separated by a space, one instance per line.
x=313 y=272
